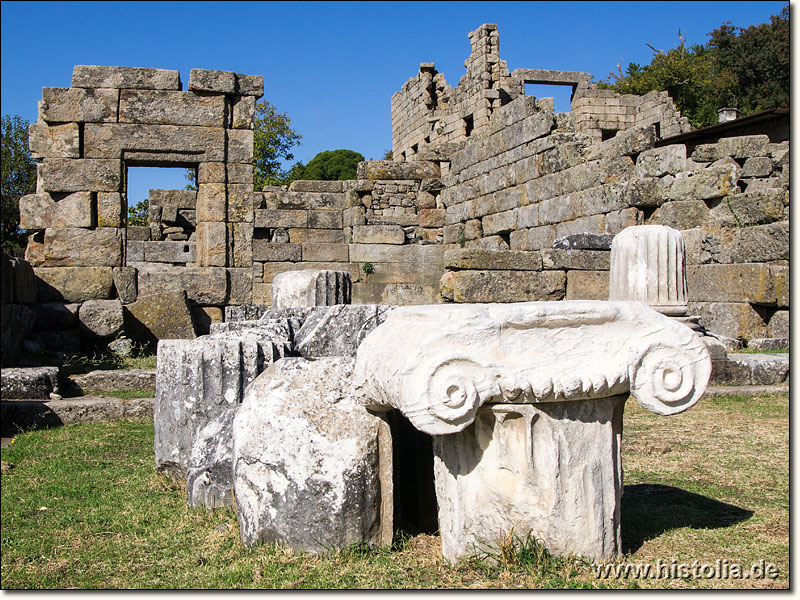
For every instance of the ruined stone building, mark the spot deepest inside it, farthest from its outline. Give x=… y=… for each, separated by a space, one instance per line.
x=488 y=200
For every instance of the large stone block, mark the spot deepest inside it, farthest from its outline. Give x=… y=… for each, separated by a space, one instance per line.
x=240 y=203
x=508 y=286
x=74 y=284
x=657 y=162
x=203 y=285
x=239 y=145
x=338 y=330
x=309 y=200
x=192 y=144
x=40 y=211
x=205 y=80
x=309 y=471
x=265 y=250
x=710 y=183
x=730 y=319
x=386 y=169
x=197 y=380
x=211 y=202
x=589 y=260
x=60 y=105
x=682 y=215
x=325 y=219
x=158 y=107
x=109 y=209
x=212 y=244
x=267 y=218
x=29 y=382
x=160 y=316
x=323 y=252
x=570 y=501
x=587 y=285
x=91 y=76
x=54 y=141
x=74 y=247
x=169 y=252
x=243 y=113
x=749 y=208
x=761 y=243
x=80 y=174
x=101 y=318
x=125 y=283
x=752 y=283
x=427 y=257
x=476 y=259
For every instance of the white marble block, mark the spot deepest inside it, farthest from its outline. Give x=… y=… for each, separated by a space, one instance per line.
x=648 y=263
x=310 y=288
x=552 y=470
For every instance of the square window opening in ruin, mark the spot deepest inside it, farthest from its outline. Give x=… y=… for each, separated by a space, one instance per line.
x=561 y=94
x=607 y=134
x=469 y=125
x=149 y=201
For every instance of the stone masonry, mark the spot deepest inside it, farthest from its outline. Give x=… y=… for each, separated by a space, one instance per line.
x=491 y=197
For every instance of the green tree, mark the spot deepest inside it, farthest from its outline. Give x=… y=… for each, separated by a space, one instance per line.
x=757 y=58
x=138 y=214
x=18 y=178
x=273 y=139
x=333 y=165
x=744 y=68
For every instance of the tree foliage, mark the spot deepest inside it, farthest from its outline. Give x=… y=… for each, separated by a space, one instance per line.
x=333 y=165
x=743 y=68
x=273 y=139
x=18 y=178
x=139 y=214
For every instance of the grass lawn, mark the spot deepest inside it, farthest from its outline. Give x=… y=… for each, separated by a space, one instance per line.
x=83 y=507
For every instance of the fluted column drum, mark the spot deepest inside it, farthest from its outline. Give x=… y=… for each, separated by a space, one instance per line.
x=648 y=263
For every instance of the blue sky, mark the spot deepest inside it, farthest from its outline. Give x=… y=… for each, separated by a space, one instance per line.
x=333 y=66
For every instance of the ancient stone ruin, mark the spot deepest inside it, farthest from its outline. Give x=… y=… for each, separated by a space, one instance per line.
x=338 y=359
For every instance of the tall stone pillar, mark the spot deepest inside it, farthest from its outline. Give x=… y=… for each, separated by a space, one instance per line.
x=648 y=263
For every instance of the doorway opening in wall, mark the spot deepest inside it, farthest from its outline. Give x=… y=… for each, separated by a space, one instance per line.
x=415 y=508
x=561 y=94
x=607 y=134
x=153 y=211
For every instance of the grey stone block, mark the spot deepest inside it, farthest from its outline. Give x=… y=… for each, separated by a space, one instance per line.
x=29 y=382
x=338 y=330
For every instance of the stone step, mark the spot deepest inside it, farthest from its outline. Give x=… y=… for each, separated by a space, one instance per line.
x=751 y=369
x=745 y=390
x=20 y=415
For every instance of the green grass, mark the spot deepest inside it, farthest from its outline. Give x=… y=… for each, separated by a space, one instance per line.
x=83 y=507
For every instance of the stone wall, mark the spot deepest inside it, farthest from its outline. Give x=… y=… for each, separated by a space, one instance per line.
x=492 y=198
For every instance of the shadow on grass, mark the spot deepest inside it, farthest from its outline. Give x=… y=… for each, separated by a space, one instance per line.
x=648 y=510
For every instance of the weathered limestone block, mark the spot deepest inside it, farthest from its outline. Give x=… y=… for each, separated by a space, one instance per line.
x=204 y=80
x=250 y=85
x=29 y=382
x=240 y=202
x=54 y=141
x=197 y=380
x=211 y=202
x=587 y=285
x=526 y=353
x=81 y=174
x=109 y=209
x=239 y=145
x=743 y=146
x=325 y=252
x=508 y=286
x=584 y=241
x=114 y=380
x=203 y=285
x=159 y=316
x=91 y=76
x=310 y=288
x=749 y=208
x=76 y=247
x=338 y=330
x=101 y=318
x=302 y=185
x=589 y=260
x=280 y=218
x=511 y=260
x=730 y=319
x=74 y=284
x=40 y=211
x=325 y=219
x=243 y=116
x=61 y=105
x=712 y=182
x=386 y=169
x=570 y=501
x=657 y=162
x=309 y=471
x=212 y=244
x=169 y=252
x=209 y=479
x=378 y=234
x=171 y=108
x=110 y=140
x=778 y=326
x=761 y=243
x=264 y=250
x=754 y=283
x=627 y=142
x=648 y=263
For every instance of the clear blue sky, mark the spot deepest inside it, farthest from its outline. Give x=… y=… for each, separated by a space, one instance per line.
x=333 y=66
